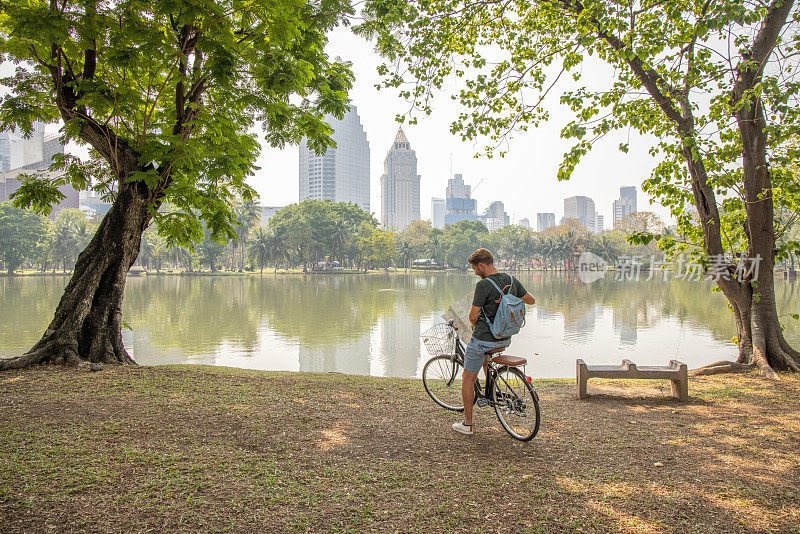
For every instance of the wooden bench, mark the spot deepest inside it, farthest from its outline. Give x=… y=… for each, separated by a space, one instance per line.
x=676 y=371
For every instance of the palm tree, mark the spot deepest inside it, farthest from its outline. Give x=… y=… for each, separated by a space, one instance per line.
x=260 y=251
x=406 y=253
x=63 y=243
x=247 y=215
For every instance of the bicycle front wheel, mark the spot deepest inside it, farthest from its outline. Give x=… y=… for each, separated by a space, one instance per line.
x=441 y=377
x=516 y=404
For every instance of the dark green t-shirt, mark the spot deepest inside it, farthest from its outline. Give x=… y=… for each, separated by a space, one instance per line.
x=487 y=297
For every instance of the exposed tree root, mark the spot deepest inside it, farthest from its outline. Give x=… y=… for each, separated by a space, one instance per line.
x=721 y=367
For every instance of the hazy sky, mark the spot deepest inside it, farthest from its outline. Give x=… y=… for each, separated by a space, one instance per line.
x=525 y=179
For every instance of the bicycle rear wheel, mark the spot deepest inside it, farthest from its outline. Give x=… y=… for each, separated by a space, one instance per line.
x=516 y=403
x=441 y=377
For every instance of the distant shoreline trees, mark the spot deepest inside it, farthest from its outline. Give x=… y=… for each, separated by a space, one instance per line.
x=312 y=233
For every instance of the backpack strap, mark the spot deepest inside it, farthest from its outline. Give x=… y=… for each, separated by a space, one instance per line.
x=511 y=290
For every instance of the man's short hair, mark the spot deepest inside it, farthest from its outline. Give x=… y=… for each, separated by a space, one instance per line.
x=481 y=256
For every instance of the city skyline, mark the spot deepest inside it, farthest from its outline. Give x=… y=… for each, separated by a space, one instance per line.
x=528 y=169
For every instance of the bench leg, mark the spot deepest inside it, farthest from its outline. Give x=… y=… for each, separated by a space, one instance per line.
x=581 y=377
x=680 y=389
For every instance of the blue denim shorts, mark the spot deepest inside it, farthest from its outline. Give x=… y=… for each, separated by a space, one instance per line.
x=476 y=353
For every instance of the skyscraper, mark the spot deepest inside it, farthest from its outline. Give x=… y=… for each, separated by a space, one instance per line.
x=495 y=216
x=34 y=153
x=599 y=226
x=460 y=205
x=525 y=223
x=545 y=221
x=341 y=174
x=629 y=193
x=438 y=209
x=626 y=204
x=27 y=150
x=582 y=209
x=5 y=152
x=400 y=185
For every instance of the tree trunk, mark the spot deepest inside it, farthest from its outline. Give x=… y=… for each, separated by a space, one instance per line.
x=87 y=325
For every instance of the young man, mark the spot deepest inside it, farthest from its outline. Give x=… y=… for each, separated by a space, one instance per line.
x=484 y=308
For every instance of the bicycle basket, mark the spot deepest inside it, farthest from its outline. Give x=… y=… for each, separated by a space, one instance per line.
x=439 y=339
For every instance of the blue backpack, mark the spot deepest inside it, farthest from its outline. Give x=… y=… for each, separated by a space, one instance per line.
x=510 y=315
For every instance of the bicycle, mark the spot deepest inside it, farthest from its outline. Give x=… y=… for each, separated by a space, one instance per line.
x=508 y=390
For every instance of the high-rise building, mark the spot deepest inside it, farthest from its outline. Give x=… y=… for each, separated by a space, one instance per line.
x=26 y=149
x=545 y=221
x=460 y=206
x=340 y=174
x=495 y=216
x=599 y=223
x=34 y=153
x=582 y=209
x=438 y=210
x=626 y=204
x=10 y=182
x=5 y=152
x=92 y=204
x=400 y=185
x=525 y=223
x=629 y=193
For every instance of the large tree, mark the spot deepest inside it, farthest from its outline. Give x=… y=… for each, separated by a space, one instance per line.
x=713 y=81
x=165 y=95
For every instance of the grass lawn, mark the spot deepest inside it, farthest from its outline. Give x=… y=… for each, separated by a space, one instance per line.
x=203 y=449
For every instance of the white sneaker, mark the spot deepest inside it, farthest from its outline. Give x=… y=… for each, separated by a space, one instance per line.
x=462 y=428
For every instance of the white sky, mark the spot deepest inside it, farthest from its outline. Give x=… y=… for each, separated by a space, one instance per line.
x=524 y=180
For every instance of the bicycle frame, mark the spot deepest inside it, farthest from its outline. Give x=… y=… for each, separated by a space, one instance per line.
x=491 y=372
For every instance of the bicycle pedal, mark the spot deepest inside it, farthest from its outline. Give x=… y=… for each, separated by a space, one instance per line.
x=482 y=402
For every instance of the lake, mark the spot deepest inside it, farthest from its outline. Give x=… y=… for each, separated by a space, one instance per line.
x=371 y=324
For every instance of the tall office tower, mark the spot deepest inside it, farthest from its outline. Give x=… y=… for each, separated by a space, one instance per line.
x=460 y=206
x=27 y=150
x=525 y=223
x=51 y=145
x=35 y=154
x=495 y=216
x=400 y=185
x=545 y=221
x=341 y=174
x=5 y=152
x=582 y=209
x=626 y=204
x=438 y=209
x=600 y=223
x=629 y=193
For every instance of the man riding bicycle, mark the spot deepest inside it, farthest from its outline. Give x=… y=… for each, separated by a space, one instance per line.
x=484 y=308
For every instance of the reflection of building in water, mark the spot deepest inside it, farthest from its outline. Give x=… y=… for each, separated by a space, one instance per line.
x=626 y=327
x=400 y=343
x=544 y=314
x=349 y=356
x=579 y=327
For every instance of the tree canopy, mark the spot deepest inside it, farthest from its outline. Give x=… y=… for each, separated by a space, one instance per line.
x=713 y=82
x=167 y=94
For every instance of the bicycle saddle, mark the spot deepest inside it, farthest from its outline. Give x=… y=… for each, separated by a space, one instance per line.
x=511 y=361
x=495 y=351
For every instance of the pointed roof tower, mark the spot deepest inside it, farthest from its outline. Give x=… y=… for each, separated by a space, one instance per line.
x=400 y=140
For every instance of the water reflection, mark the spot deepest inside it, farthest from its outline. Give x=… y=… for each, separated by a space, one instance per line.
x=372 y=324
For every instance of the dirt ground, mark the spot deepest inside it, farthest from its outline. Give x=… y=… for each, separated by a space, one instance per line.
x=201 y=449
